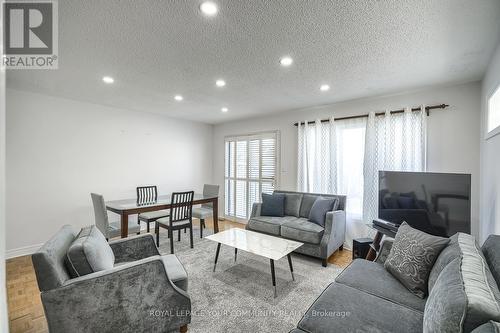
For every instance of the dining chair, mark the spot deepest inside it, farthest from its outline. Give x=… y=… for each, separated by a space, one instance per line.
x=109 y=229
x=181 y=211
x=205 y=210
x=148 y=195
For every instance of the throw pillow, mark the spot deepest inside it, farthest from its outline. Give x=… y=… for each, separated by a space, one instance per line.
x=89 y=252
x=319 y=209
x=292 y=204
x=273 y=205
x=412 y=256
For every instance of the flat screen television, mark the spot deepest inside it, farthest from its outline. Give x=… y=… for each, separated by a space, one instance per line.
x=436 y=203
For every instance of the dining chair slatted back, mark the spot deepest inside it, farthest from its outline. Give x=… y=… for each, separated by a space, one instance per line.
x=181 y=206
x=146 y=194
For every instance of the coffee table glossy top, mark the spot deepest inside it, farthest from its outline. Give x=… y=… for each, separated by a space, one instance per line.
x=254 y=242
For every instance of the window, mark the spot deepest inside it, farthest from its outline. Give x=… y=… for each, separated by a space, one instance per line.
x=494 y=113
x=250 y=169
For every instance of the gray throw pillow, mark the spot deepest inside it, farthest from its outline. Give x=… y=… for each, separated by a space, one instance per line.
x=412 y=256
x=292 y=204
x=89 y=253
x=319 y=209
x=273 y=205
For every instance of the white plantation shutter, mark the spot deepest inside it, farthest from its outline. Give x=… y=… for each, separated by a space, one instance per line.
x=251 y=164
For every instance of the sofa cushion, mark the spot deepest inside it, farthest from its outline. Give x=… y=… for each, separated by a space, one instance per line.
x=268 y=224
x=341 y=308
x=89 y=252
x=319 y=209
x=465 y=295
x=292 y=204
x=412 y=256
x=491 y=252
x=273 y=204
x=306 y=204
x=489 y=327
x=302 y=230
x=447 y=255
x=373 y=278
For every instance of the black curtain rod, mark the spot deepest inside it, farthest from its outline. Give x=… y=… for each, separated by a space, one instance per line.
x=427 y=109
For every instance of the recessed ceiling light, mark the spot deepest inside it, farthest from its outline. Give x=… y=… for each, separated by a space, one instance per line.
x=224 y=109
x=108 y=79
x=324 y=87
x=178 y=98
x=209 y=8
x=286 y=61
x=220 y=83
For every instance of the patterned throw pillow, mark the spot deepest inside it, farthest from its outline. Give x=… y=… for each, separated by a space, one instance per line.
x=412 y=256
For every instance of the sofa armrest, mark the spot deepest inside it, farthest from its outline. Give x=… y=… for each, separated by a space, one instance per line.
x=384 y=250
x=256 y=206
x=124 y=298
x=334 y=234
x=134 y=248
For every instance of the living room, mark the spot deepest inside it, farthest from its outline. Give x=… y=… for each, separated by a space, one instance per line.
x=168 y=156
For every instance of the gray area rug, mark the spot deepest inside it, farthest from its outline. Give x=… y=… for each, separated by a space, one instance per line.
x=238 y=297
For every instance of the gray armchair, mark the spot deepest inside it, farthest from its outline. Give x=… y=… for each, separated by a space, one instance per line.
x=143 y=292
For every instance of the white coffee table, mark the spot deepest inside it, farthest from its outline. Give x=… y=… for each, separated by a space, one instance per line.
x=271 y=247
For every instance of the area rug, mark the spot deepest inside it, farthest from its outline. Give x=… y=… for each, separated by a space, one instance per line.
x=238 y=296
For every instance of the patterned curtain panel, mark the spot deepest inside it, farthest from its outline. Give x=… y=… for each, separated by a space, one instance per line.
x=394 y=142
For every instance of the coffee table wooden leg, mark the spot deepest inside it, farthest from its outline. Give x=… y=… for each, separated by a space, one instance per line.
x=273 y=276
x=217 y=255
x=290 y=264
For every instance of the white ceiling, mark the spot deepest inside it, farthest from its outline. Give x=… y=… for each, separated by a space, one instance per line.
x=156 y=49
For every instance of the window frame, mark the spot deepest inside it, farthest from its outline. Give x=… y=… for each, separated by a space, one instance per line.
x=248 y=137
x=495 y=131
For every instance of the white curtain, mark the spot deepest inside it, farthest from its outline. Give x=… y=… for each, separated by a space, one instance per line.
x=394 y=142
x=330 y=160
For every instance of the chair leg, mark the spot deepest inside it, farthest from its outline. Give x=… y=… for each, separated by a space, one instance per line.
x=201 y=228
x=179 y=235
x=183 y=329
x=341 y=247
x=191 y=234
x=157 y=231
x=324 y=262
x=185 y=230
x=171 y=234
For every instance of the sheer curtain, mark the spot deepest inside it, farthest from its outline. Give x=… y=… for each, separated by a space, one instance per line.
x=394 y=142
x=330 y=160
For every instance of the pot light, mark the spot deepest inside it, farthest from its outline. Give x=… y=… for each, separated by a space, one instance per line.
x=224 y=110
x=286 y=61
x=324 y=87
x=220 y=83
x=208 y=8
x=108 y=79
x=178 y=98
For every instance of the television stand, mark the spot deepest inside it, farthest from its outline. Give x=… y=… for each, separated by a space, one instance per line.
x=375 y=246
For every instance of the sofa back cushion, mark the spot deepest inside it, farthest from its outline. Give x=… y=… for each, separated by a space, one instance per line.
x=449 y=253
x=273 y=205
x=49 y=260
x=89 y=252
x=465 y=295
x=309 y=198
x=292 y=204
x=491 y=252
x=306 y=205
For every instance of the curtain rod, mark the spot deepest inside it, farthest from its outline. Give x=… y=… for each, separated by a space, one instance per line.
x=427 y=109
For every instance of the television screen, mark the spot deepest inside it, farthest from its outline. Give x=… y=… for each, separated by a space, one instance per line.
x=436 y=203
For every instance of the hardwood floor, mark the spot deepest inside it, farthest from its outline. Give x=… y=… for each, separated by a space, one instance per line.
x=25 y=306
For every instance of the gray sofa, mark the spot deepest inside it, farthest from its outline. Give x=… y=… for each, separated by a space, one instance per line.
x=318 y=242
x=367 y=298
x=143 y=292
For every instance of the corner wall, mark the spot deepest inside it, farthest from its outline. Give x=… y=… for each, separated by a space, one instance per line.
x=490 y=157
x=452 y=132
x=61 y=150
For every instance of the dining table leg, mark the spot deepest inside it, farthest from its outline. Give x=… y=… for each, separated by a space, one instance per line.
x=215 y=214
x=124 y=224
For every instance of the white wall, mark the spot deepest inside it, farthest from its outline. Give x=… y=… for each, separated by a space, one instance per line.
x=452 y=133
x=59 y=150
x=490 y=157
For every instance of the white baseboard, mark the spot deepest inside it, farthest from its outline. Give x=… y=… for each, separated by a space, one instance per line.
x=22 y=251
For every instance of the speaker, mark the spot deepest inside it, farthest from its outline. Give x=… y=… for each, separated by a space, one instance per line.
x=360 y=247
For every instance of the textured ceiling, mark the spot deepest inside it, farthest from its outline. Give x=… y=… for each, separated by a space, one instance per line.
x=155 y=49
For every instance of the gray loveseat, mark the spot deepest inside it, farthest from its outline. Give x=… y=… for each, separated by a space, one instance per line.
x=318 y=242
x=144 y=292
x=463 y=295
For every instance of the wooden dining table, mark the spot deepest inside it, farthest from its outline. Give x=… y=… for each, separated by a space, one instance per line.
x=126 y=207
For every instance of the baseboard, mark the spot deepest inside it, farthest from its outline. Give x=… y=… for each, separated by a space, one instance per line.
x=22 y=251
